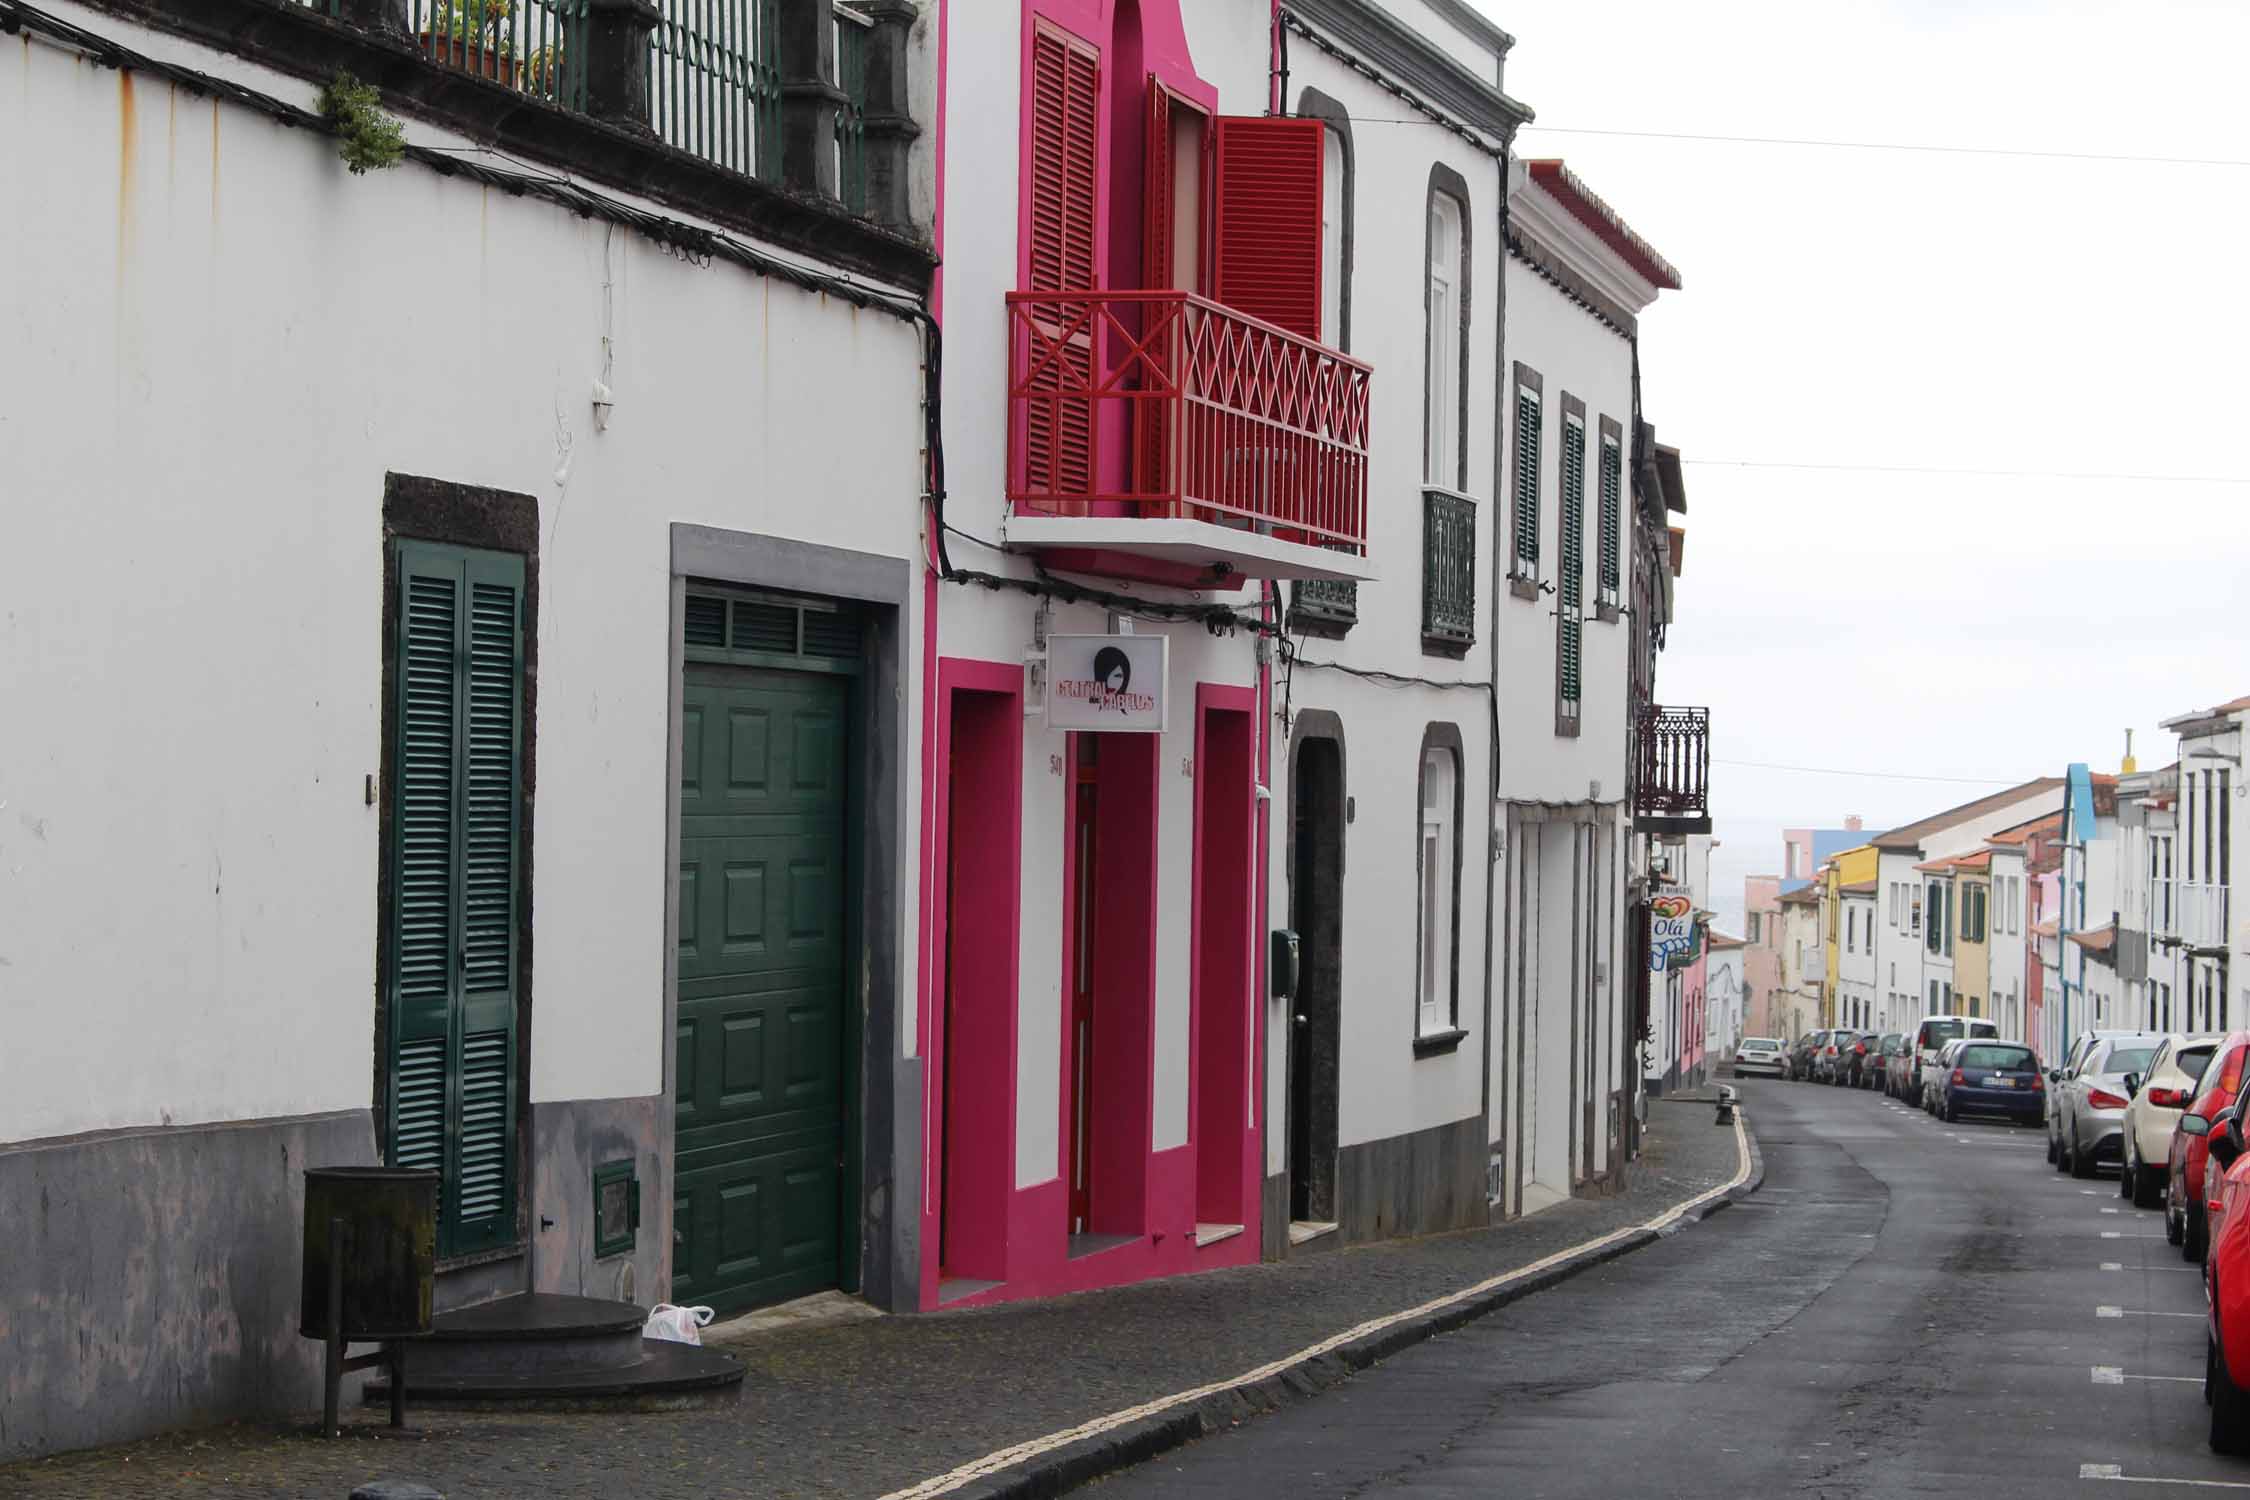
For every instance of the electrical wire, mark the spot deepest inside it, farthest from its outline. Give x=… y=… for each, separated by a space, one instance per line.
x=1970 y=473
x=2121 y=157
x=1765 y=765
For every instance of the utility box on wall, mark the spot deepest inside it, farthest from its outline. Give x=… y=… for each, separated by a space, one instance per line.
x=617 y=1208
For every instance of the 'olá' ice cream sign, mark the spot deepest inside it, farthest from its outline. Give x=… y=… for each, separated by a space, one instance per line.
x=1674 y=940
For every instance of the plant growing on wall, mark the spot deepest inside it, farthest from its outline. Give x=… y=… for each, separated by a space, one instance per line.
x=366 y=138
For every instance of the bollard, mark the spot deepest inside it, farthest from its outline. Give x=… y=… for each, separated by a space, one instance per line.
x=1726 y=1107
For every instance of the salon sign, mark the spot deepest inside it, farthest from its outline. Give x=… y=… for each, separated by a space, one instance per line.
x=1673 y=937
x=1111 y=683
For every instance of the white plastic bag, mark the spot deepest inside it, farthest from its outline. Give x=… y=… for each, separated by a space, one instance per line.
x=680 y=1325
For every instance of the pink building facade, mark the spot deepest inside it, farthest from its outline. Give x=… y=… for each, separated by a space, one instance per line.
x=1761 y=952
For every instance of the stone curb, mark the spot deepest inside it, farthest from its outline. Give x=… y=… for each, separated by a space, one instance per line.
x=1067 y=1468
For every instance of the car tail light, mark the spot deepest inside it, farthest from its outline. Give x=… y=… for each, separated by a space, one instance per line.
x=2103 y=1099
x=2168 y=1098
x=2038 y=1082
x=1960 y=1077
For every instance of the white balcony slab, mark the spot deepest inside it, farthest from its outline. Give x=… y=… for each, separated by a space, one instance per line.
x=1197 y=543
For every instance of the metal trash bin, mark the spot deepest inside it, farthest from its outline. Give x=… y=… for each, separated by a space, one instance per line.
x=370 y=1269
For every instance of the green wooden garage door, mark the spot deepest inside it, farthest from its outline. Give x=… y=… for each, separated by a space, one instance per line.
x=758 y=1176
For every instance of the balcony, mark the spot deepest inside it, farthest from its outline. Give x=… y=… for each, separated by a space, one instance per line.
x=1170 y=429
x=1672 y=771
x=2203 y=916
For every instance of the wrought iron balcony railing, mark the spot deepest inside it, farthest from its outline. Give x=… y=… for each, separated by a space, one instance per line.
x=1672 y=769
x=1166 y=404
x=1449 y=569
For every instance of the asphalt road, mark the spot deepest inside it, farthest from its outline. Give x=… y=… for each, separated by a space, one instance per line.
x=1906 y=1308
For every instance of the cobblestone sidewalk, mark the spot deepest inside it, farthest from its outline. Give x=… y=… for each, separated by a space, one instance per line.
x=863 y=1407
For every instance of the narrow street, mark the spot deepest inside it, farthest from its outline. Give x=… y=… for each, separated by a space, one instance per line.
x=1906 y=1308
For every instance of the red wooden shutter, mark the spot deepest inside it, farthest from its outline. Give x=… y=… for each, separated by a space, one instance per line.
x=1157 y=177
x=1064 y=168
x=1266 y=219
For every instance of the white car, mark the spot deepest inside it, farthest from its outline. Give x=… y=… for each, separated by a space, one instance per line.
x=1761 y=1054
x=2158 y=1096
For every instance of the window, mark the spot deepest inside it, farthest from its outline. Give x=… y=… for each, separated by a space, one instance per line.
x=1063 y=163
x=1523 y=566
x=1612 y=518
x=1973 y=909
x=1570 y=613
x=1449 y=572
x=1440 y=889
x=1335 y=236
x=2226 y=833
x=1444 y=341
x=1914 y=912
x=1933 y=998
x=1934 y=939
x=454 y=903
x=1753 y=922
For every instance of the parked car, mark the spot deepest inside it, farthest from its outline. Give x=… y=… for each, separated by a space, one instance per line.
x=1801 y=1056
x=1898 y=1079
x=2226 y=1281
x=2087 y=1112
x=2080 y=1045
x=1992 y=1078
x=1761 y=1054
x=1877 y=1073
x=1934 y=1074
x=1833 y=1063
x=2158 y=1097
x=1855 y=1055
x=2186 y=1207
x=1932 y=1033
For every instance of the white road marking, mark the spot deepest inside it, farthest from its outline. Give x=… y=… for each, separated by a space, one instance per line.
x=2113 y=1265
x=2140 y=1312
x=2115 y=1375
x=2117 y=1475
x=2106 y=1210
x=2109 y=1312
x=1004 y=1458
x=2119 y=1234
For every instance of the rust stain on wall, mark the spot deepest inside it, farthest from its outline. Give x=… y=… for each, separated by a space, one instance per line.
x=127 y=126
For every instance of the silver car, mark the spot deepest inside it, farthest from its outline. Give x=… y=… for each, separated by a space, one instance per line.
x=2087 y=1105
x=1761 y=1054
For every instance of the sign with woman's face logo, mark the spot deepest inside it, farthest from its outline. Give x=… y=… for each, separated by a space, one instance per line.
x=1112 y=683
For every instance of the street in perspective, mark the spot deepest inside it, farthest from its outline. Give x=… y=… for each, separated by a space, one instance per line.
x=887 y=749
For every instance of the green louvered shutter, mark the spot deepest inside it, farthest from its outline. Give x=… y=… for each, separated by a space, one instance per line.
x=1570 y=619
x=456 y=831
x=1527 y=482
x=1613 y=505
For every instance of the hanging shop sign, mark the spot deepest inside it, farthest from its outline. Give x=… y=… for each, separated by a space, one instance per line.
x=1112 y=683
x=1674 y=938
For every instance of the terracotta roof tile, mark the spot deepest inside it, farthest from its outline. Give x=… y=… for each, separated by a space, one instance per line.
x=2024 y=833
x=1910 y=836
x=1588 y=209
x=1856 y=888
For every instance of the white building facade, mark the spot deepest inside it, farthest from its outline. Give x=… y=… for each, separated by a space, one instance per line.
x=486 y=552
x=2213 y=937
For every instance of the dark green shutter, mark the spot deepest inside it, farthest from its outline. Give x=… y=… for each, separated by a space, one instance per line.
x=1571 y=617
x=1527 y=480
x=455 y=883
x=1613 y=502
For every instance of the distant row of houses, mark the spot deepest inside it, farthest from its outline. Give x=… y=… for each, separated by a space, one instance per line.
x=2088 y=900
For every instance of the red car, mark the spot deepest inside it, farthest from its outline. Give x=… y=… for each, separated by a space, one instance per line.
x=2187 y=1206
x=2226 y=1282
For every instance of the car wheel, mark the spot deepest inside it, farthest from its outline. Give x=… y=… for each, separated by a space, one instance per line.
x=2053 y=1155
x=2127 y=1173
x=1945 y=1110
x=2081 y=1165
x=2148 y=1188
x=2197 y=1236
x=2230 y=1407
x=2174 y=1231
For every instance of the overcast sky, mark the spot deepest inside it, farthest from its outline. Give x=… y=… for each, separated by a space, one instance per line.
x=1851 y=307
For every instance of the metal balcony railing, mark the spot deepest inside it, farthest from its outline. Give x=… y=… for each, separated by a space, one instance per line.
x=2203 y=914
x=1672 y=763
x=1166 y=404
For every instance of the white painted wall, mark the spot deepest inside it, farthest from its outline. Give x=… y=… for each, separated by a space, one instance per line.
x=233 y=341
x=1855 y=961
x=1723 y=1000
x=2010 y=921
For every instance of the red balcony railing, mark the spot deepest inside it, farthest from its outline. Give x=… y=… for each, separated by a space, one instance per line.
x=1672 y=762
x=1166 y=404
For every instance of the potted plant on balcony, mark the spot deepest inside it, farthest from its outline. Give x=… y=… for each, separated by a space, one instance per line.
x=469 y=35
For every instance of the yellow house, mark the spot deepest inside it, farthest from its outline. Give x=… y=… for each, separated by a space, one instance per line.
x=1845 y=867
x=1972 y=950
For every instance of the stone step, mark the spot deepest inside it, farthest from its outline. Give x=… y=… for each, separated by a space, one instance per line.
x=544 y=1349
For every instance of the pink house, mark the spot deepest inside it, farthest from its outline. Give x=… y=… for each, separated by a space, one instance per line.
x=1761 y=952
